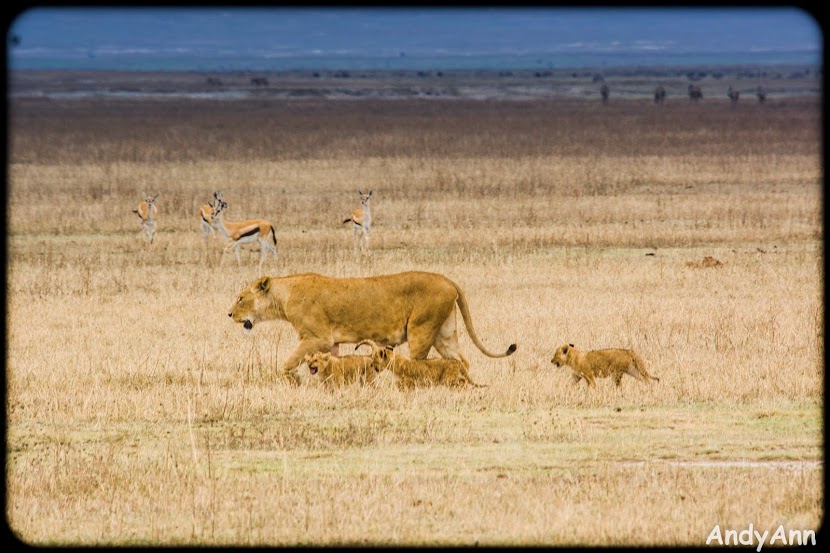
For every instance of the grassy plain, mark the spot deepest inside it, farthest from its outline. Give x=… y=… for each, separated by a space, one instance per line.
x=137 y=413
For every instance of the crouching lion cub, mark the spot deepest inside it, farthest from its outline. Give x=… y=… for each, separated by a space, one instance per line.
x=411 y=373
x=340 y=371
x=601 y=363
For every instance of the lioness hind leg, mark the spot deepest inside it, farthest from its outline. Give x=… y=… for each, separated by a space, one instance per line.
x=446 y=341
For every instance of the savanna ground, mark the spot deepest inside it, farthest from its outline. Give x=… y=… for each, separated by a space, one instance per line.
x=138 y=413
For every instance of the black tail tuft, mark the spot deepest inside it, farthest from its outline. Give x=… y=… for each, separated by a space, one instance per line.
x=511 y=349
x=347 y=220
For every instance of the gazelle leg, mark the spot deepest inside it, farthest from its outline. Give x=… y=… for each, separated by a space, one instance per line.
x=230 y=246
x=263 y=252
x=265 y=247
x=205 y=231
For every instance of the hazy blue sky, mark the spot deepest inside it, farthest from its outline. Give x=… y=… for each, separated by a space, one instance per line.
x=91 y=35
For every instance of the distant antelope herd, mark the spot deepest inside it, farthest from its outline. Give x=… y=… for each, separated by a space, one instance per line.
x=256 y=232
x=263 y=234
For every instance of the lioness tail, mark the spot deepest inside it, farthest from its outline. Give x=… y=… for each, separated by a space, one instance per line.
x=461 y=300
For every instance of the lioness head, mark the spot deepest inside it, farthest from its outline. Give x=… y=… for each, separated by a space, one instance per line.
x=317 y=361
x=251 y=303
x=561 y=356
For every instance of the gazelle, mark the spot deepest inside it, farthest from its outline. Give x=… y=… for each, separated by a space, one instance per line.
x=206 y=216
x=244 y=232
x=147 y=212
x=362 y=219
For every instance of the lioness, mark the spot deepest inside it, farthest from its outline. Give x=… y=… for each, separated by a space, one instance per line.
x=340 y=371
x=601 y=363
x=410 y=373
x=414 y=307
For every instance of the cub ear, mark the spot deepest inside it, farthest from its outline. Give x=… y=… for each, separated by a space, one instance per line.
x=565 y=349
x=264 y=284
x=573 y=346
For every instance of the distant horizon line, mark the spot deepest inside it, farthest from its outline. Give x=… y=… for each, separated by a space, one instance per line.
x=471 y=62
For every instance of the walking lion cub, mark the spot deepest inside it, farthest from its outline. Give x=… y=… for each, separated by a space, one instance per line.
x=340 y=371
x=601 y=363
x=413 y=373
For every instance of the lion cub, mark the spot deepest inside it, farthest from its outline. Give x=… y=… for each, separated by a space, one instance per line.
x=601 y=363
x=410 y=373
x=340 y=371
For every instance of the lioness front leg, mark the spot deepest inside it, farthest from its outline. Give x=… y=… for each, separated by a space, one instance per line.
x=296 y=358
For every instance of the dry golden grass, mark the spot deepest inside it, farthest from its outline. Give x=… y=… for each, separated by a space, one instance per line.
x=137 y=413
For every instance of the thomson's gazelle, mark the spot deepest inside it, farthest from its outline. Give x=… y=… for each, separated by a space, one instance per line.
x=147 y=212
x=206 y=216
x=244 y=232
x=362 y=221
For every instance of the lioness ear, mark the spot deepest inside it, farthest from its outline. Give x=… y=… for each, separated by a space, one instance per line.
x=565 y=349
x=264 y=283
